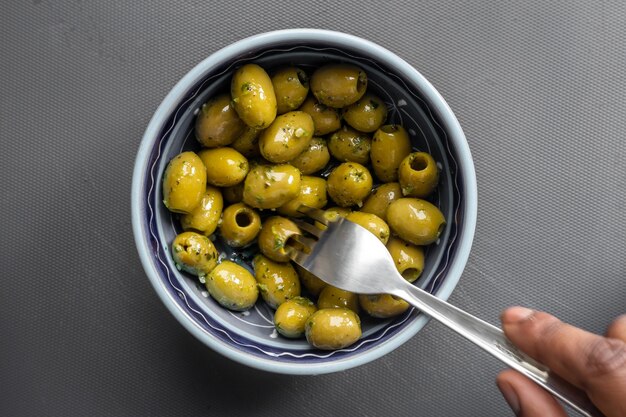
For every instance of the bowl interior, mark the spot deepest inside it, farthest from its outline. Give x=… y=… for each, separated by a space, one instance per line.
x=252 y=332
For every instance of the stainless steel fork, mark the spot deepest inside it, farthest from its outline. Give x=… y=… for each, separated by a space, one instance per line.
x=349 y=257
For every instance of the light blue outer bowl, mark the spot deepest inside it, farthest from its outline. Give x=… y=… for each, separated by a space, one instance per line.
x=249 y=338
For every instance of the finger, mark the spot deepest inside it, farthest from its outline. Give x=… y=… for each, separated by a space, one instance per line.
x=617 y=329
x=526 y=398
x=594 y=363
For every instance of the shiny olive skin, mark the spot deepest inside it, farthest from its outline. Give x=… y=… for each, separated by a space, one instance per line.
x=416 y=221
x=380 y=198
x=332 y=328
x=253 y=96
x=382 y=305
x=247 y=143
x=314 y=158
x=349 y=183
x=225 y=167
x=371 y=222
x=287 y=137
x=348 y=145
x=233 y=286
x=291 y=86
x=313 y=284
x=206 y=215
x=274 y=234
x=217 y=123
x=233 y=194
x=333 y=297
x=184 y=182
x=418 y=175
x=390 y=145
x=312 y=194
x=333 y=214
x=277 y=281
x=290 y=316
x=240 y=225
x=338 y=85
x=326 y=119
x=271 y=186
x=409 y=259
x=194 y=253
x=367 y=114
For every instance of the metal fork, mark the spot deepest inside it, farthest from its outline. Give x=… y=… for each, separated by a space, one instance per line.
x=364 y=266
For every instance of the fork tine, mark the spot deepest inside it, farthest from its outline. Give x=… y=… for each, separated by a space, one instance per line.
x=314 y=213
x=308 y=228
x=306 y=242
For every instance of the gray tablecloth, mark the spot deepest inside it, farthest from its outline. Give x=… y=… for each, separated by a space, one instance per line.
x=538 y=86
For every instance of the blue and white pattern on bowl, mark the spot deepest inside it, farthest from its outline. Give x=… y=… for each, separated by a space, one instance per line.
x=249 y=337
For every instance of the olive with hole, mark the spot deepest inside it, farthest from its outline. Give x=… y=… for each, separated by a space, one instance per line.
x=348 y=145
x=194 y=253
x=217 y=123
x=415 y=220
x=418 y=175
x=184 y=182
x=382 y=305
x=273 y=237
x=291 y=86
x=225 y=166
x=326 y=119
x=277 y=281
x=205 y=217
x=367 y=114
x=253 y=96
x=390 y=145
x=314 y=158
x=240 y=225
x=312 y=194
x=271 y=186
x=333 y=297
x=332 y=328
x=371 y=222
x=233 y=286
x=349 y=184
x=380 y=198
x=409 y=259
x=338 y=85
x=290 y=316
x=287 y=137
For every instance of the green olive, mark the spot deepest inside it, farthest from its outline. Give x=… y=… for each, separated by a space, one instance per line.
x=206 y=215
x=287 y=137
x=247 y=143
x=313 y=284
x=253 y=96
x=274 y=234
x=224 y=166
x=194 y=253
x=184 y=182
x=290 y=316
x=338 y=85
x=233 y=194
x=418 y=175
x=391 y=144
x=349 y=183
x=332 y=328
x=278 y=282
x=371 y=222
x=326 y=119
x=333 y=214
x=333 y=297
x=382 y=305
x=312 y=159
x=240 y=225
x=233 y=286
x=367 y=114
x=409 y=259
x=291 y=86
x=312 y=194
x=347 y=144
x=271 y=186
x=380 y=198
x=217 y=123
x=416 y=221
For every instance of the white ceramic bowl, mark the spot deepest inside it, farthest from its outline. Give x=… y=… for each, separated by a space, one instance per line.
x=249 y=337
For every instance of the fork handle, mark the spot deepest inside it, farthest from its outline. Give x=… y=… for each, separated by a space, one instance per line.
x=493 y=340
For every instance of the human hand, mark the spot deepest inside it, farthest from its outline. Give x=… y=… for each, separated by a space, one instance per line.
x=593 y=363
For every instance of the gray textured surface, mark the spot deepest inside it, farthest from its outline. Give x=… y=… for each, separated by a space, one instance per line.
x=538 y=87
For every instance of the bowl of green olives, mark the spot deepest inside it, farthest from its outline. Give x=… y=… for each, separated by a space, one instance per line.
x=284 y=119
